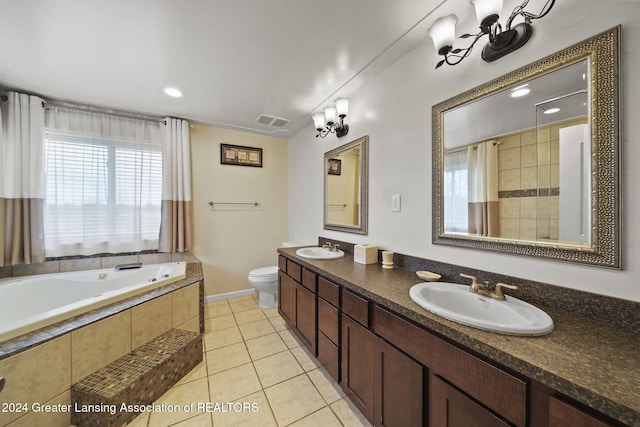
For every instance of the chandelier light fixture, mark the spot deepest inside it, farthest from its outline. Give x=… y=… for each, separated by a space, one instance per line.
x=326 y=122
x=501 y=41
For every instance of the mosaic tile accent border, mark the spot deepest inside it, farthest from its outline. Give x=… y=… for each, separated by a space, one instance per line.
x=533 y=192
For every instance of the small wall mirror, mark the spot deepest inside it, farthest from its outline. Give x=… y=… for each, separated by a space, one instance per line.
x=345 y=187
x=528 y=163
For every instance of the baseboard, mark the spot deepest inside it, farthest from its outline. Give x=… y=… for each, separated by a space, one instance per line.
x=228 y=295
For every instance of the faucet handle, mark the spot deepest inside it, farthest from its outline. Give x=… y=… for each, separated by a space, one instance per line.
x=498 y=290
x=474 y=279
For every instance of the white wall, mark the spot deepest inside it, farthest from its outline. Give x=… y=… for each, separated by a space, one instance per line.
x=394 y=109
x=232 y=240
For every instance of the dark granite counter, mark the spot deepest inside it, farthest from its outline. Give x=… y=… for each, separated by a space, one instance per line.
x=593 y=363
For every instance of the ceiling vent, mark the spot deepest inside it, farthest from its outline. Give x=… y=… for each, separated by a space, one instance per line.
x=278 y=122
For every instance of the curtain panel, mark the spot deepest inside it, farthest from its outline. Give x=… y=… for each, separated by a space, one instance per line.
x=21 y=179
x=176 y=229
x=484 y=209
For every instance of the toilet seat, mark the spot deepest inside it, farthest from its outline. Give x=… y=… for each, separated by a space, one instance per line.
x=264 y=274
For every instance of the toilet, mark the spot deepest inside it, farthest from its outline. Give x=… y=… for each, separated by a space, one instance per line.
x=265 y=281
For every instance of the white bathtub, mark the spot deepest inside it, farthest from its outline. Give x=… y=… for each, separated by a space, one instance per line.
x=29 y=303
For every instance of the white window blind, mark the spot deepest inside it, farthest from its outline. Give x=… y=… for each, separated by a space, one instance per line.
x=103 y=186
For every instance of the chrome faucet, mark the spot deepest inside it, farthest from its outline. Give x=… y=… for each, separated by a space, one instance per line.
x=480 y=289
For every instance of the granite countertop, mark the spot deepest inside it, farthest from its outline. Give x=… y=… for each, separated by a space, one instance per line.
x=593 y=363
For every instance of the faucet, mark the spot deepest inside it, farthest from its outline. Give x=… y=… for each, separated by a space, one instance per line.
x=332 y=248
x=480 y=289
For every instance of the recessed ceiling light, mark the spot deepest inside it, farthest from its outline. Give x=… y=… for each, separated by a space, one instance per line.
x=517 y=93
x=551 y=110
x=172 y=91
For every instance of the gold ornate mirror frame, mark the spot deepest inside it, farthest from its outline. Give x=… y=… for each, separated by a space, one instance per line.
x=602 y=53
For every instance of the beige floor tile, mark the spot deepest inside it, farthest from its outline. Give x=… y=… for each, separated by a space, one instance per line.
x=326 y=385
x=256 y=329
x=258 y=414
x=222 y=338
x=200 y=371
x=202 y=420
x=271 y=312
x=349 y=414
x=303 y=357
x=216 y=310
x=264 y=346
x=139 y=421
x=233 y=384
x=324 y=417
x=195 y=391
x=227 y=357
x=277 y=368
x=289 y=338
x=243 y=305
x=220 y=322
x=278 y=323
x=248 y=316
x=294 y=399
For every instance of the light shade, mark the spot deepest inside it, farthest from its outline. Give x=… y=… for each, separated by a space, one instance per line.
x=485 y=8
x=443 y=31
x=330 y=114
x=318 y=120
x=342 y=106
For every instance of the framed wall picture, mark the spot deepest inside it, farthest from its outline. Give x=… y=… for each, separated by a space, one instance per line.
x=240 y=156
x=334 y=166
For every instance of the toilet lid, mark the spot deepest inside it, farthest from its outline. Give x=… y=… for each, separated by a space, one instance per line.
x=264 y=272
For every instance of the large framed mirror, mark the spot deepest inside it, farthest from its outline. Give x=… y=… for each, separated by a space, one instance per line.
x=529 y=163
x=346 y=187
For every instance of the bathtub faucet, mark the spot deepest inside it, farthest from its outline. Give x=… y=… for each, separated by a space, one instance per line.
x=128 y=266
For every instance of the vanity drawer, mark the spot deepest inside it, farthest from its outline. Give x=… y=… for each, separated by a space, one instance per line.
x=282 y=263
x=294 y=270
x=356 y=307
x=470 y=374
x=329 y=320
x=329 y=291
x=329 y=356
x=309 y=279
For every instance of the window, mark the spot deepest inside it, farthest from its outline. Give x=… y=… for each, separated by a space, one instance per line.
x=455 y=192
x=103 y=184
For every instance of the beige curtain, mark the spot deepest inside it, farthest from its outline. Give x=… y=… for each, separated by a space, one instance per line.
x=176 y=230
x=484 y=210
x=21 y=179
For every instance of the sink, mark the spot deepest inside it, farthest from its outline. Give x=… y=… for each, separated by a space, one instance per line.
x=319 y=253
x=456 y=302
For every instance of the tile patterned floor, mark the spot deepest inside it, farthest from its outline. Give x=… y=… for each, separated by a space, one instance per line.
x=253 y=360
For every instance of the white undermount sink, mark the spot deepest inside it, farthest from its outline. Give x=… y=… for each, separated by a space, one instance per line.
x=319 y=253
x=456 y=302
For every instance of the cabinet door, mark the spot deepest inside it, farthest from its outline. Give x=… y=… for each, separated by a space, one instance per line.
x=286 y=295
x=451 y=408
x=358 y=354
x=305 y=314
x=563 y=414
x=398 y=399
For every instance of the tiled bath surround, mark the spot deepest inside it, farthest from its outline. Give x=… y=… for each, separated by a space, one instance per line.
x=40 y=367
x=600 y=308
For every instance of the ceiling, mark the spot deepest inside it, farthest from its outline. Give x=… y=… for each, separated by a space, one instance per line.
x=233 y=60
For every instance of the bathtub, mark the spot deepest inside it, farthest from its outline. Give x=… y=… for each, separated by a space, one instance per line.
x=28 y=303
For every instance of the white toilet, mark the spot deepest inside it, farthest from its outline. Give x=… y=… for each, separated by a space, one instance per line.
x=265 y=281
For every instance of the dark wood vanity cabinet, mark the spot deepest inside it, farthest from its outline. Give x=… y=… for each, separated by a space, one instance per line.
x=297 y=301
x=385 y=384
x=329 y=327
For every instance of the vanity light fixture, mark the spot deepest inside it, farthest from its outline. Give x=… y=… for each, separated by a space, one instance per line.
x=326 y=122
x=173 y=92
x=501 y=42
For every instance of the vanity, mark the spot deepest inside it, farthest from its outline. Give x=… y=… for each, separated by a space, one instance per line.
x=402 y=365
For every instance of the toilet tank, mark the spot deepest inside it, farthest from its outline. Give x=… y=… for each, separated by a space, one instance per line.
x=292 y=244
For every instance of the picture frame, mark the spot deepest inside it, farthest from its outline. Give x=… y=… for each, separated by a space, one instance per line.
x=334 y=166
x=238 y=155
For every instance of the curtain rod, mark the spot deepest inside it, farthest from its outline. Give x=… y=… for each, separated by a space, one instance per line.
x=116 y=113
